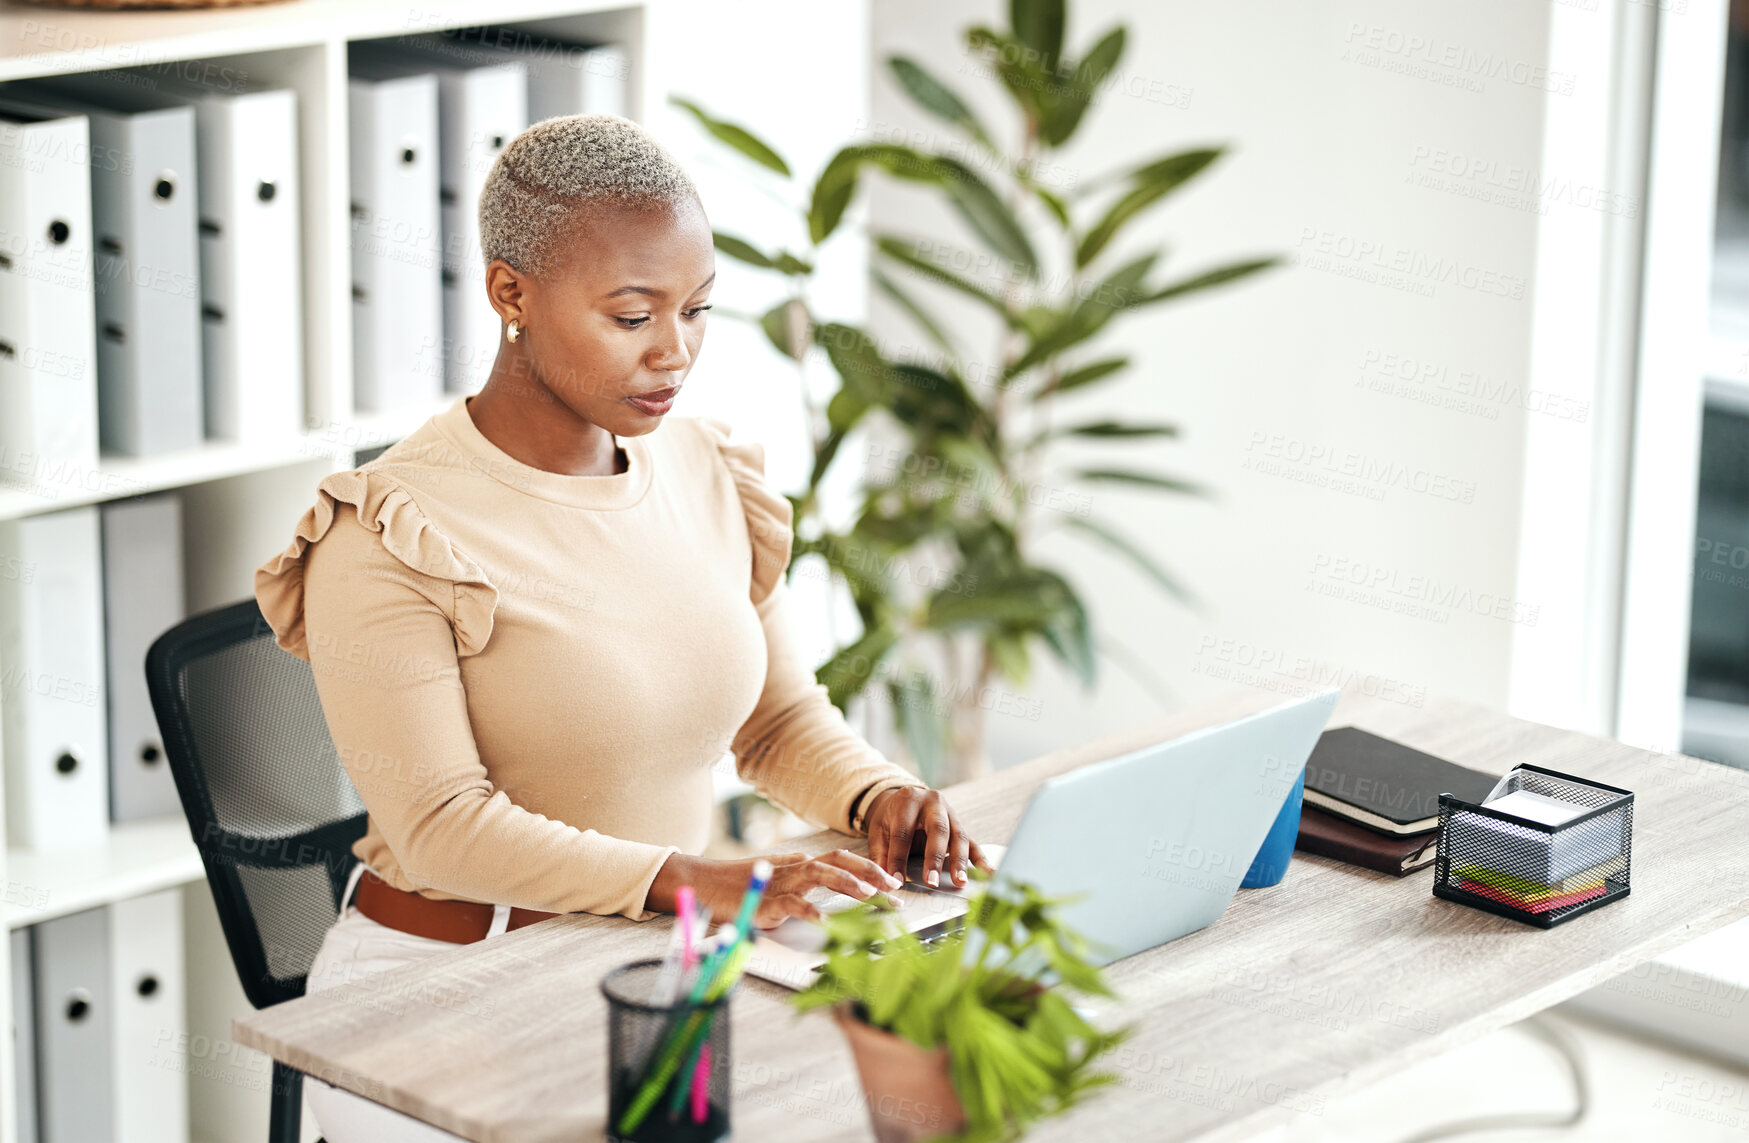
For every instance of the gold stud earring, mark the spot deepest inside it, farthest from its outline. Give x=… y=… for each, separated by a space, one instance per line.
x=514 y=331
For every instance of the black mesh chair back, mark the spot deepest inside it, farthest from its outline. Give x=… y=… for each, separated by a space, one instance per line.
x=271 y=810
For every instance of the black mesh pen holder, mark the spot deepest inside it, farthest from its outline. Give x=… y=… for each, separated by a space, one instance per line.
x=656 y=1057
x=1530 y=870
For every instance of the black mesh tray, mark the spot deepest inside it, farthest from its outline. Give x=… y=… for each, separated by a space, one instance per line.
x=1532 y=872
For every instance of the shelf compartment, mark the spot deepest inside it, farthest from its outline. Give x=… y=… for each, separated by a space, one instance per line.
x=133 y=858
x=53 y=41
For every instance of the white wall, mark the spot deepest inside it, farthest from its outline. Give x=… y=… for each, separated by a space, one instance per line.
x=1377 y=145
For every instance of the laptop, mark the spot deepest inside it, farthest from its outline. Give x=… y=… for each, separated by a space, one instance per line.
x=1154 y=842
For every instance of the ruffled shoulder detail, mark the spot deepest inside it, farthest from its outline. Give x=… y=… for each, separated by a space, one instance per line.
x=388 y=509
x=769 y=515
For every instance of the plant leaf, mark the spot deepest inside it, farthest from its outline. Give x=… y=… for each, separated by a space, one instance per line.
x=906 y=163
x=857 y=359
x=1209 y=279
x=845 y=409
x=995 y=604
x=937 y=97
x=1070 y=634
x=915 y=255
x=914 y=311
x=845 y=674
x=1008 y=653
x=836 y=186
x=786 y=325
x=1082 y=88
x=1019 y=66
x=989 y=216
x=1151 y=184
x=1087 y=374
x=1127 y=548
x=741 y=250
x=790 y=264
x=1115 y=429
x=833 y=191
x=1087 y=317
x=735 y=136
x=1039 y=25
x=865 y=564
x=1054 y=203
x=936 y=402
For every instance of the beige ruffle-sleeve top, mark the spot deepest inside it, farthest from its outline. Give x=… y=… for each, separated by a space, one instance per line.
x=529 y=676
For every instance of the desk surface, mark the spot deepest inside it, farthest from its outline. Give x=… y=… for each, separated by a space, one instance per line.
x=1335 y=977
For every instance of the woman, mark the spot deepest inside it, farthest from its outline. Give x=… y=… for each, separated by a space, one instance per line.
x=536 y=623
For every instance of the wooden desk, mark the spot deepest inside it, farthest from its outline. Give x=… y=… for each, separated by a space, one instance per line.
x=1336 y=977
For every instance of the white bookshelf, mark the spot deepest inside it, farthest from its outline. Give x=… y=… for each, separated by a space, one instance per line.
x=130 y=476
x=242 y=500
x=135 y=858
x=53 y=41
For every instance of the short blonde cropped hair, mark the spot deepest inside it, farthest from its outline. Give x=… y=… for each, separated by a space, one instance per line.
x=565 y=163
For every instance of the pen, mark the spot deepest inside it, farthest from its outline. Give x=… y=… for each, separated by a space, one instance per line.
x=755 y=890
x=700 y=1076
x=693 y=1039
x=710 y=988
x=696 y=1069
x=669 y=978
x=684 y=900
x=701 y=922
x=727 y=937
x=701 y=1081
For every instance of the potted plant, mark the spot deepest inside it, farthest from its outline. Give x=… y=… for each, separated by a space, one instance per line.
x=972 y=1037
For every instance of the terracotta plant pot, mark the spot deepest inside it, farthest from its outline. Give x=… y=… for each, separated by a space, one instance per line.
x=909 y=1089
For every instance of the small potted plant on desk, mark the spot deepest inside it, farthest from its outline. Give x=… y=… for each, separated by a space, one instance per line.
x=971 y=1037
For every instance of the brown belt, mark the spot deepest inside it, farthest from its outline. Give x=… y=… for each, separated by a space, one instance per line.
x=459 y=922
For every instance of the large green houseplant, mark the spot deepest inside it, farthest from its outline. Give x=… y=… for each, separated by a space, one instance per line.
x=975 y=477
x=972 y=1037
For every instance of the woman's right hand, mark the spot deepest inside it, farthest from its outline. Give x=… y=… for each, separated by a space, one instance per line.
x=722 y=884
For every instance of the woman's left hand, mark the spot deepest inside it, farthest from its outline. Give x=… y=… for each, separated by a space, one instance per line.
x=912 y=819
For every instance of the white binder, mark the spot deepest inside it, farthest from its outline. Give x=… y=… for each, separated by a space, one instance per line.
x=146 y=984
x=74 y=1018
x=51 y=667
x=482 y=105
x=48 y=348
x=580 y=79
x=397 y=269
x=251 y=260
x=147 y=265
x=565 y=77
x=142 y=598
x=23 y=1033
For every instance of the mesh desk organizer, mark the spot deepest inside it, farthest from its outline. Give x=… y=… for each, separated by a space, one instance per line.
x=1542 y=872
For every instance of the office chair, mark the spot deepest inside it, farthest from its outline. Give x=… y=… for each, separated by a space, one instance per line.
x=270 y=808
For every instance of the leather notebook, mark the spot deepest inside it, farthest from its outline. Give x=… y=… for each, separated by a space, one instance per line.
x=1329 y=836
x=1384 y=785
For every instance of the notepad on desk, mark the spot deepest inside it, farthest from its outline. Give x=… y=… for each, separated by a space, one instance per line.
x=1536 y=807
x=1383 y=785
x=790 y=953
x=1538 y=857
